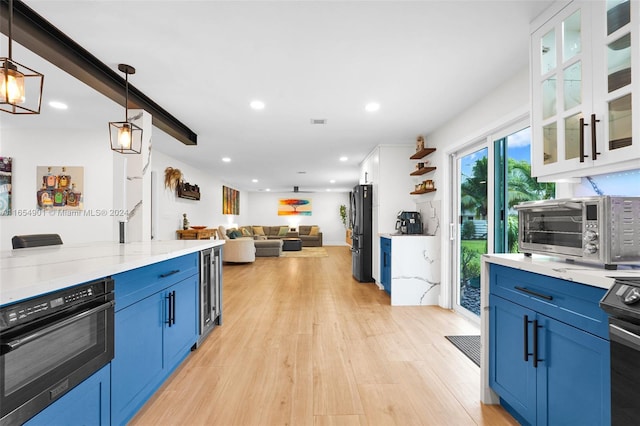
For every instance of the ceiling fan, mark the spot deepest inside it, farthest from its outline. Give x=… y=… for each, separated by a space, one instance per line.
x=297 y=190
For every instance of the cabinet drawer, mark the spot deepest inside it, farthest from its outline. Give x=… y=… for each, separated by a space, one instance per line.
x=136 y=284
x=572 y=303
x=385 y=243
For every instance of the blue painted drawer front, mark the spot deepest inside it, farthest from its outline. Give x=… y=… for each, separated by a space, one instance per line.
x=86 y=404
x=572 y=303
x=136 y=284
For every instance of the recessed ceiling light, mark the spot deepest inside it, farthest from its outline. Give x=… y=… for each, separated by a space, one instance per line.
x=343 y=158
x=268 y=189
x=372 y=107
x=257 y=105
x=254 y=180
x=58 y=105
x=226 y=159
x=332 y=181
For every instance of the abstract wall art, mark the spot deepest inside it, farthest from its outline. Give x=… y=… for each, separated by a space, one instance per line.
x=230 y=200
x=294 y=207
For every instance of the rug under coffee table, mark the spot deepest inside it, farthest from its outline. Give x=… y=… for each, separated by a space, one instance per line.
x=291 y=244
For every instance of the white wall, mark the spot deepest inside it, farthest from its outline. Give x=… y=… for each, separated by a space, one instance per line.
x=31 y=148
x=168 y=208
x=325 y=213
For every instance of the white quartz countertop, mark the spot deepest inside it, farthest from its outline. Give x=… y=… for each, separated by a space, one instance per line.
x=29 y=272
x=584 y=273
x=388 y=235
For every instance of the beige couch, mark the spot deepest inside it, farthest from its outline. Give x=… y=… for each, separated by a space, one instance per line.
x=238 y=250
x=309 y=234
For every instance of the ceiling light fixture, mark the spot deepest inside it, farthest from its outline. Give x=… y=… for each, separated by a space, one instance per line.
x=126 y=137
x=254 y=180
x=257 y=105
x=372 y=107
x=20 y=86
x=226 y=159
x=58 y=105
x=343 y=159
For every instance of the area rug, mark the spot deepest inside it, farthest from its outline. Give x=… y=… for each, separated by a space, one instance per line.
x=469 y=345
x=307 y=252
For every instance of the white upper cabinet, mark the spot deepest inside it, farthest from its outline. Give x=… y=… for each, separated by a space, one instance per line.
x=584 y=70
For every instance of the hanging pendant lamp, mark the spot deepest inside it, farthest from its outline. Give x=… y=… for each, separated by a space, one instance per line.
x=126 y=137
x=20 y=86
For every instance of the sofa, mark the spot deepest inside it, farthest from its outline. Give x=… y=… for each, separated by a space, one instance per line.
x=237 y=250
x=309 y=234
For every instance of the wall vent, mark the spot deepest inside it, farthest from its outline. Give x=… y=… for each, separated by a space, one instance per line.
x=318 y=121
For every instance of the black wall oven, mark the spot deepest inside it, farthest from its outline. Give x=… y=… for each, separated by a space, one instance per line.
x=622 y=302
x=50 y=344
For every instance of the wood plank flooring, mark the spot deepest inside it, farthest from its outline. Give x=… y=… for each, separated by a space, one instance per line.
x=303 y=343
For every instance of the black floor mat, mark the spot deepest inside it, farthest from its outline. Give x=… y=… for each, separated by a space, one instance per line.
x=469 y=345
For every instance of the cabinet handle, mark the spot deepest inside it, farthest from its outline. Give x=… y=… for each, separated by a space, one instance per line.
x=536 y=360
x=582 y=125
x=169 y=309
x=173 y=305
x=594 y=148
x=534 y=293
x=526 y=338
x=168 y=274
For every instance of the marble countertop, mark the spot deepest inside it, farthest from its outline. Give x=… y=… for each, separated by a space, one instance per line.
x=29 y=272
x=584 y=273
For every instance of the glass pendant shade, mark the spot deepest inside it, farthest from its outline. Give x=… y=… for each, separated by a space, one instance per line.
x=20 y=88
x=126 y=137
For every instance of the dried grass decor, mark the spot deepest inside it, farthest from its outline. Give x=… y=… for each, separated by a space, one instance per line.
x=172 y=178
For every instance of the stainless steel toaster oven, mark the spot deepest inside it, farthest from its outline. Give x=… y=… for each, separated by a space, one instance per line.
x=603 y=229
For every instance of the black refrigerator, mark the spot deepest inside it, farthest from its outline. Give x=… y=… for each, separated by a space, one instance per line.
x=361 y=221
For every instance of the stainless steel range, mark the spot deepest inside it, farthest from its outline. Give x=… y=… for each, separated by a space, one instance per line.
x=622 y=303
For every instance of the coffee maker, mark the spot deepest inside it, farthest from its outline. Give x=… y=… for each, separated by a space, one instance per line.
x=409 y=223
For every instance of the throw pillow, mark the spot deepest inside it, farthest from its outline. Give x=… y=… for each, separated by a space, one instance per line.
x=222 y=234
x=245 y=232
x=314 y=231
x=258 y=230
x=283 y=231
x=236 y=233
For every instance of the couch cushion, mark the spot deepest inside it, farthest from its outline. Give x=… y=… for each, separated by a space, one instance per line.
x=283 y=231
x=258 y=230
x=314 y=231
x=246 y=231
x=222 y=233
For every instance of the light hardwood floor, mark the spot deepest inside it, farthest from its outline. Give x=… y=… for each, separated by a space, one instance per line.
x=303 y=343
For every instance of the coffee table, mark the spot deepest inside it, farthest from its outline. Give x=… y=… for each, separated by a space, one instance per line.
x=291 y=244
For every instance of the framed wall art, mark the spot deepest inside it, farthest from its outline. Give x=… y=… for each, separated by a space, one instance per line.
x=5 y=186
x=230 y=200
x=59 y=187
x=294 y=207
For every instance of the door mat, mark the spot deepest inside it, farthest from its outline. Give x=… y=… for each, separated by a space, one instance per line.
x=469 y=345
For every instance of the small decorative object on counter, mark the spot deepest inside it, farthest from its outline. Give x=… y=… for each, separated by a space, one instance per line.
x=185 y=222
x=419 y=143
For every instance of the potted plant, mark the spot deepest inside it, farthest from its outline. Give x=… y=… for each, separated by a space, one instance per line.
x=343 y=215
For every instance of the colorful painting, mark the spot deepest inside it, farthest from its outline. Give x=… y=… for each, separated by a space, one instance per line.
x=5 y=186
x=230 y=200
x=59 y=187
x=294 y=207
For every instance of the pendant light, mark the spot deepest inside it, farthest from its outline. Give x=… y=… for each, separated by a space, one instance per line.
x=20 y=86
x=126 y=137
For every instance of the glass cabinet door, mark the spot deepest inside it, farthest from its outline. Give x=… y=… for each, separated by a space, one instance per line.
x=559 y=96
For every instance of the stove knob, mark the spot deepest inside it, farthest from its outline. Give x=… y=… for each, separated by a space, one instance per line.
x=590 y=236
x=590 y=248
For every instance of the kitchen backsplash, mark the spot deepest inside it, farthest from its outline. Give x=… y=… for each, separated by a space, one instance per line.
x=621 y=183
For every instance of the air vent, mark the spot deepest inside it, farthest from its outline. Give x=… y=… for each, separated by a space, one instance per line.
x=318 y=121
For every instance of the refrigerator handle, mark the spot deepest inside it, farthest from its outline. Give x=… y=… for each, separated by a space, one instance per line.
x=452 y=231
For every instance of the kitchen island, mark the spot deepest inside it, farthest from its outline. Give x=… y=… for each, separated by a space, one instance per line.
x=158 y=302
x=29 y=272
x=545 y=341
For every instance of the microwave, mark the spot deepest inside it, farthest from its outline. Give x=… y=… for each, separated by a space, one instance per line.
x=603 y=229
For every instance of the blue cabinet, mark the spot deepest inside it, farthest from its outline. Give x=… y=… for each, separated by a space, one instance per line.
x=86 y=404
x=385 y=263
x=546 y=368
x=156 y=324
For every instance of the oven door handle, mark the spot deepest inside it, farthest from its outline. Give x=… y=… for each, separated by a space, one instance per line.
x=15 y=344
x=624 y=337
x=537 y=206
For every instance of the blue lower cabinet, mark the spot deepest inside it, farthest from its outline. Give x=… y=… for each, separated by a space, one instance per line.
x=545 y=370
x=86 y=404
x=153 y=336
x=385 y=264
